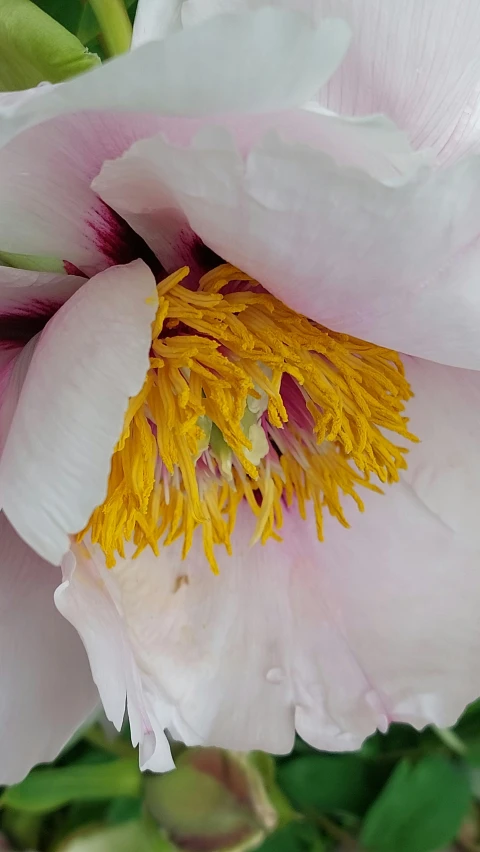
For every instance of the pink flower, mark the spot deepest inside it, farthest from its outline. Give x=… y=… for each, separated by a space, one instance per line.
x=226 y=407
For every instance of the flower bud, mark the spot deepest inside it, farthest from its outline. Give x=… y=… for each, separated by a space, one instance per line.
x=213 y=801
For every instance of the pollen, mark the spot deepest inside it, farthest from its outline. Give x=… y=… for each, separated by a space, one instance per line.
x=246 y=401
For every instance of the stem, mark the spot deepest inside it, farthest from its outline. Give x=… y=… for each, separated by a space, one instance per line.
x=451 y=740
x=336 y=831
x=114 y=24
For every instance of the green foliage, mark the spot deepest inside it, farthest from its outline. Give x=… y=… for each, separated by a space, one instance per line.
x=420 y=809
x=402 y=792
x=327 y=783
x=295 y=837
x=45 y=790
x=35 y=48
x=78 y=17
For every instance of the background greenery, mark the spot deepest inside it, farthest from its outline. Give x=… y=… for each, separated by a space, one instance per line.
x=403 y=792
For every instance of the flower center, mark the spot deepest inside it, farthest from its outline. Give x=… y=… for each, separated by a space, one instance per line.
x=246 y=400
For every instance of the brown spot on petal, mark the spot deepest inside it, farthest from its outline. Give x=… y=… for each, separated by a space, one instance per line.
x=181 y=580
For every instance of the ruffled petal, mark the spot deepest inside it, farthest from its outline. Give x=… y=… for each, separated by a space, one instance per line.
x=416 y=62
x=199 y=647
x=90 y=600
x=134 y=186
x=91 y=357
x=378 y=623
x=402 y=584
x=197 y=72
x=392 y=261
x=46 y=684
x=404 y=578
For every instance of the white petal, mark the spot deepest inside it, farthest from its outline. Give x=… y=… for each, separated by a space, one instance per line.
x=92 y=356
x=199 y=651
x=393 y=262
x=198 y=71
x=135 y=187
x=46 y=204
x=403 y=583
x=444 y=474
x=154 y=19
x=416 y=62
x=131 y=187
x=91 y=603
x=378 y=623
x=14 y=364
x=47 y=689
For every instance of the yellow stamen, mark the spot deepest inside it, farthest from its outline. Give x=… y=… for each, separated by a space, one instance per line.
x=213 y=354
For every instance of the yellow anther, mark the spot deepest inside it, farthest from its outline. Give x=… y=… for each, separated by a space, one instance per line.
x=213 y=354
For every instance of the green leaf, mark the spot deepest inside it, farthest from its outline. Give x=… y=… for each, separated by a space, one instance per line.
x=468 y=729
x=124 y=809
x=35 y=48
x=295 y=837
x=45 y=790
x=398 y=739
x=420 y=809
x=327 y=783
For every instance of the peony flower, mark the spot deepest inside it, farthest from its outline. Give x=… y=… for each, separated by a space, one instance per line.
x=239 y=390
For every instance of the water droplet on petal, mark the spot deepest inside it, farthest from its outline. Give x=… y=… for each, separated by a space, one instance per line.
x=275 y=675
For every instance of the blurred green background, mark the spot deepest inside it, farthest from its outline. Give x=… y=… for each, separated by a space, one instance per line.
x=403 y=792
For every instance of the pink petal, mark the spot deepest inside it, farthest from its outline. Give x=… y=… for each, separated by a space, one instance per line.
x=27 y=301
x=47 y=688
x=392 y=261
x=402 y=585
x=46 y=204
x=131 y=187
x=378 y=623
x=92 y=356
x=417 y=62
x=26 y=297
x=135 y=187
